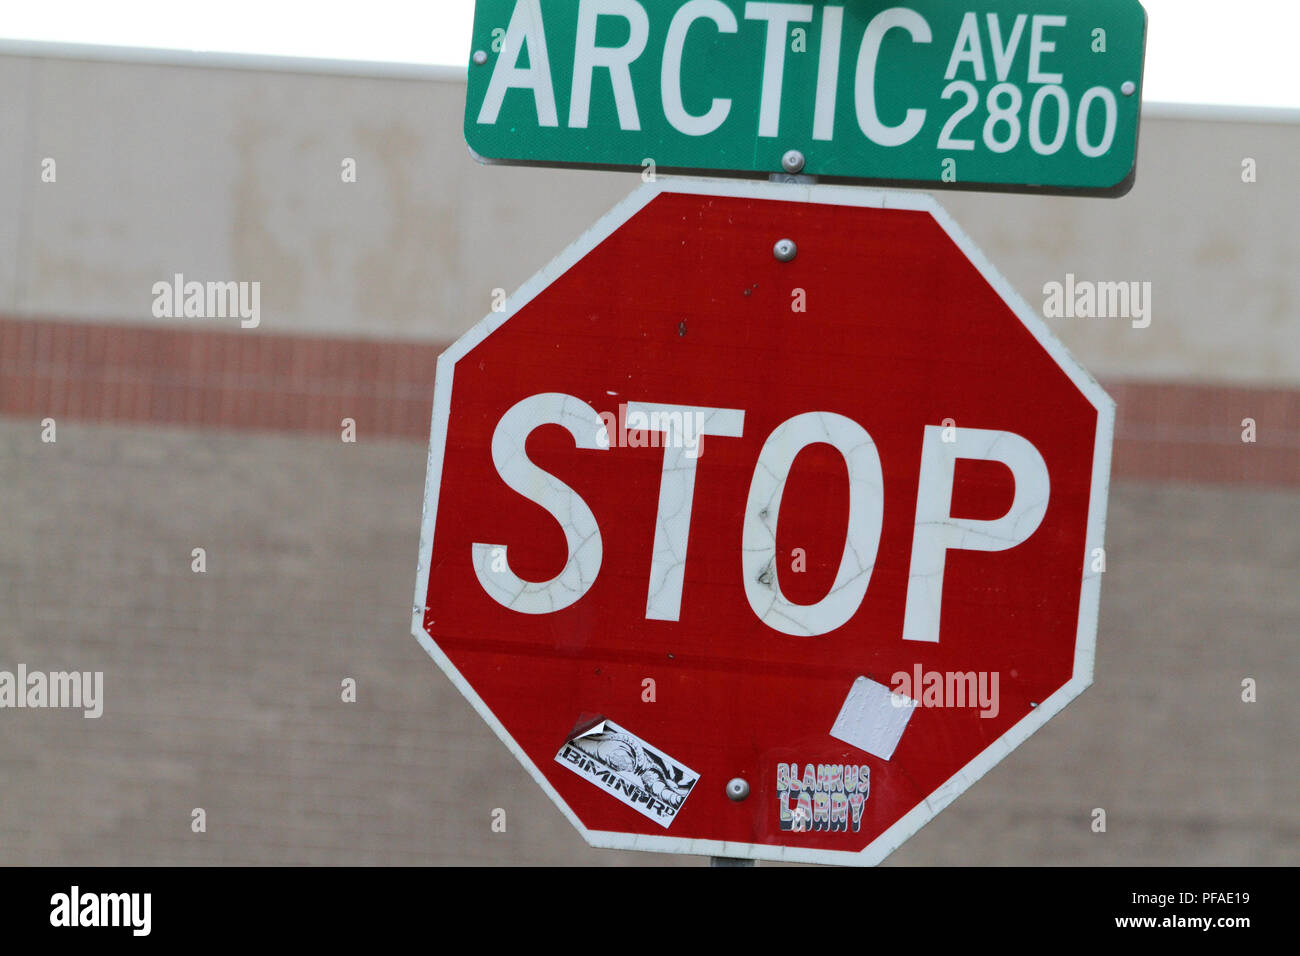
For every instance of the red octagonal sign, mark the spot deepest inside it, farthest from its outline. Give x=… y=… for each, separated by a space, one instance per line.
x=764 y=521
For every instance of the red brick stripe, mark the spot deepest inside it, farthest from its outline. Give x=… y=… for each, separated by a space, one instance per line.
x=256 y=380
x=163 y=376
x=1194 y=433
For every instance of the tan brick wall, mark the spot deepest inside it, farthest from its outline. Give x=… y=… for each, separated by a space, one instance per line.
x=222 y=689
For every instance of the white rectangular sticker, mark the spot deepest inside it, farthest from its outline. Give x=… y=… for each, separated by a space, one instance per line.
x=630 y=770
x=873 y=718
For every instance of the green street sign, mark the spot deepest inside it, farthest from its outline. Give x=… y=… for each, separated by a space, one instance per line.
x=1039 y=95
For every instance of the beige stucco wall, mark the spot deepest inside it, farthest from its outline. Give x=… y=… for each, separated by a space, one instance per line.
x=227 y=173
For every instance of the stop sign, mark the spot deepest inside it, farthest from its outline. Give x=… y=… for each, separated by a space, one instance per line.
x=764 y=521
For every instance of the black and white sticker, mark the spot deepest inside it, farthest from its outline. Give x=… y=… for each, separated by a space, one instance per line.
x=630 y=770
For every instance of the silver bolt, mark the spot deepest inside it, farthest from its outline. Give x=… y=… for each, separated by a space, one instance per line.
x=480 y=57
x=1129 y=88
x=737 y=788
x=785 y=250
x=792 y=162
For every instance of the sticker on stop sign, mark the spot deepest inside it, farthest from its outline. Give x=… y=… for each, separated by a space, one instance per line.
x=784 y=492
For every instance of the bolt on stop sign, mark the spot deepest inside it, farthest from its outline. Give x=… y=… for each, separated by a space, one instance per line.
x=764 y=521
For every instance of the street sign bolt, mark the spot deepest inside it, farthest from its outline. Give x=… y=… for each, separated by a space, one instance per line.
x=1129 y=88
x=785 y=250
x=480 y=57
x=737 y=789
x=792 y=162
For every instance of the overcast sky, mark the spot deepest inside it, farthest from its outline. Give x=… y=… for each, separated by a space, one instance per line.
x=1232 y=52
